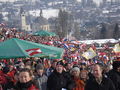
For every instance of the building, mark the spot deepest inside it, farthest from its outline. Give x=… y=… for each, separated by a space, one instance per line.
x=24 y=25
x=40 y=23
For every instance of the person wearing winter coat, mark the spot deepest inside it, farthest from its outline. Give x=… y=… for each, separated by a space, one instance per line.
x=6 y=78
x=76 y=77
x=25 y=81
x=99 y=82
x=59 y=80
x=41 y=78
x=114 y=74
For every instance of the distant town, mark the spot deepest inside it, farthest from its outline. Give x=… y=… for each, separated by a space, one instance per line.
x=82 y=20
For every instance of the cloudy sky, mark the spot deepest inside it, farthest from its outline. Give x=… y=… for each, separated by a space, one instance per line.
x=79 y=0
x=97 y=1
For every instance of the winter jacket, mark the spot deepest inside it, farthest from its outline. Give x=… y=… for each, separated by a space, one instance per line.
x=79 y=84
x=26 y=86
x=57 y=81
x=7 y=79
x=106 y=84
x=115 y=77
x=41 y=82
x=3 y=79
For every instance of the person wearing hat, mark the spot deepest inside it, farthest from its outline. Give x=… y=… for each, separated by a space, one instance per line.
x=41 y=78
x=114 y=74
x=75 y=72
x=59 y=80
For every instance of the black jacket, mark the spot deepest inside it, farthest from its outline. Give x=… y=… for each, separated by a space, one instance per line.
x=57 y=81
x=25 y=86
x=106 y=84
x=115 y=77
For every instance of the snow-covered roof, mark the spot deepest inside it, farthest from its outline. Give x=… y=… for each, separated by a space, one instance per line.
x=99 y=41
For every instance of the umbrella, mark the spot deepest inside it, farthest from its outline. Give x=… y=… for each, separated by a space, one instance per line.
x=44 y=33
x=16 y=48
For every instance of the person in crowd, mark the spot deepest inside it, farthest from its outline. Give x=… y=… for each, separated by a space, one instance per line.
x=90 y=71
x=1 y=67
x=28 y=62
x=28 y=67
x=68 y=66
x=16 y=78
x=79 y=84
x=70 y=80
x=7 y=77
x=114 y=74
x=51 y=68
x=106 y=69
x=99 y=82
x=19 y=65
x=12 y=71
x=3 y=76
x=31 y=69
x=59 y=80
x=25 y=81
x=10 y=76
x=82 y=66
x=41 y=78
x=84 y=75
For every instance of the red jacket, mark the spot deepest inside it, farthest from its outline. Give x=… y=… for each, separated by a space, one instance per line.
x=33 y=88
x=11 y=75
x=79 y=84
x=3 y=79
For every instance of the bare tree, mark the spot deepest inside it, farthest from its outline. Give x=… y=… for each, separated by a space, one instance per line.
x=116 y=32
x=62 y=23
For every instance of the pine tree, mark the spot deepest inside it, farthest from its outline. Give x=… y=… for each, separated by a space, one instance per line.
x=103 y=32
x=116 y=32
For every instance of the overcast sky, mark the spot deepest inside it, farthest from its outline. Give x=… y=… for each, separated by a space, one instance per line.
x=97 y=1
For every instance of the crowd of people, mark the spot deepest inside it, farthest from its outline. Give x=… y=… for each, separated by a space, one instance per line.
x=72 y=72
x=34 y=75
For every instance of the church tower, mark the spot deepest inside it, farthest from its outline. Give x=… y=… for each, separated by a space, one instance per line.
x=23 y=21
x=24 y=25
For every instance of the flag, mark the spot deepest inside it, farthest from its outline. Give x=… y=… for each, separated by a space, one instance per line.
x=116 y=48
x=83 y=46
x=101 y=54
x=64 y=39
x=106 y=46
x=72 y=49
x=33 y=51
x=89 y=54
x=93 y=47
x=65 y=46
x=50 y=43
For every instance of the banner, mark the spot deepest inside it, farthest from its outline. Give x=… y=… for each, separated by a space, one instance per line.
x=116 y=48
x=33 y=51
x=89 y=54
